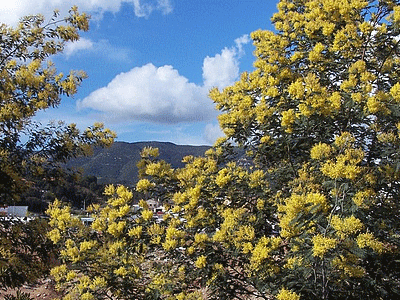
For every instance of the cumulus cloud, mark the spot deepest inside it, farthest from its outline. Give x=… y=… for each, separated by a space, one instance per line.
x=73 y=47
x=12 y=11
x=161 y=95
x=220 y=70
x=152 y=94
x=144 y=9
x=223 y=69
x=240 y=41
x=102 y=48
x=211 y=133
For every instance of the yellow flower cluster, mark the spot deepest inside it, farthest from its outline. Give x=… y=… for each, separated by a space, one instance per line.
x=362 y=198
x=346 y=226
x=147 y=214
x=148 y=152
x=200 y=239
x=377 y=103
x=288 y=119
x=348 y=264
x=262 y=250
x=173 y=238
x=293 y=262
x=121 y=196
x=121 y=271
x=320 y=151
x=116 y=228
x=345 y=166
x=87 y=245
x=159 y=169
x=396 y=14
x=201 y=262
x=315 y=53
x=296 y=204
x=256 y=179
x=143 y=185
x=345 y=140
x=285 y=294
x=228 y=227
x=297 y=89
x=322 y=244
x=61 y=217
x=115 y=247
x=135 y=231
x=223 y=177
x=59 y=272
x=365 y=240
x=71 y=251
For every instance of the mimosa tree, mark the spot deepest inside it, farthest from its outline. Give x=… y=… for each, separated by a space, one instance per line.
x=312 y=210
x=30 y=151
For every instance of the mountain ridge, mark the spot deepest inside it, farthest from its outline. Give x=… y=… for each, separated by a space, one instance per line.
x=117 y=164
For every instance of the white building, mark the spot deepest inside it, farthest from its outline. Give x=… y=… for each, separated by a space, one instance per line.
x=14 y=211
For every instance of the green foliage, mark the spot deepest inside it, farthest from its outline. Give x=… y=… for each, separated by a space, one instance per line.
x=29 y=83
x=117 y=164
x=19 y=296
x=313 y=211
x=26 y=252
x=77 y=190
x=117 y=256
x=30 y=152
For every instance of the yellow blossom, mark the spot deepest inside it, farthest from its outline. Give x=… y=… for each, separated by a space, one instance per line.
x=201 y=262
x=149 y=152
x=320 y=151
x=288 y=118
x=116 y=228
x=147 y=214
x=121 y=271
x=346 y=139
x=87 y=245
x=200 y=238
x=59 y=272
x=285 y=294
x=71 y=275
x=54 y=235
x=321 y=245
x=365 y=240
x=143 y=185
x=223 y=177
x=87 y=296
x=346 y=226
x=348 y=264
x=315 y=53
x=256 y=178
x=263 y=249
x=293 y=262
x=98 y=282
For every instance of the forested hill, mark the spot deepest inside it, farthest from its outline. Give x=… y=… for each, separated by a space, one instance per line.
x=117 y=164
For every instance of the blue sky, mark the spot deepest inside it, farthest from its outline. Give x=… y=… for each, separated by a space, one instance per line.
x=151 y=62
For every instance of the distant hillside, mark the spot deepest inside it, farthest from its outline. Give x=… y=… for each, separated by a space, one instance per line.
x=117 y=164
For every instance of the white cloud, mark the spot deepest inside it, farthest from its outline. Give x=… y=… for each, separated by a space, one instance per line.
x=152 y=94
x=211 y=133
x=164 y=6
x=162 y=95
x=220 y=70
x=145 y=8
x=240 y=41
x=223 y=69
x=73 y=47
x=12 y=11
x=102 y=48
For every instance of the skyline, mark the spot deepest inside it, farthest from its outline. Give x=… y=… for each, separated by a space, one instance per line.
x=150 y=64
